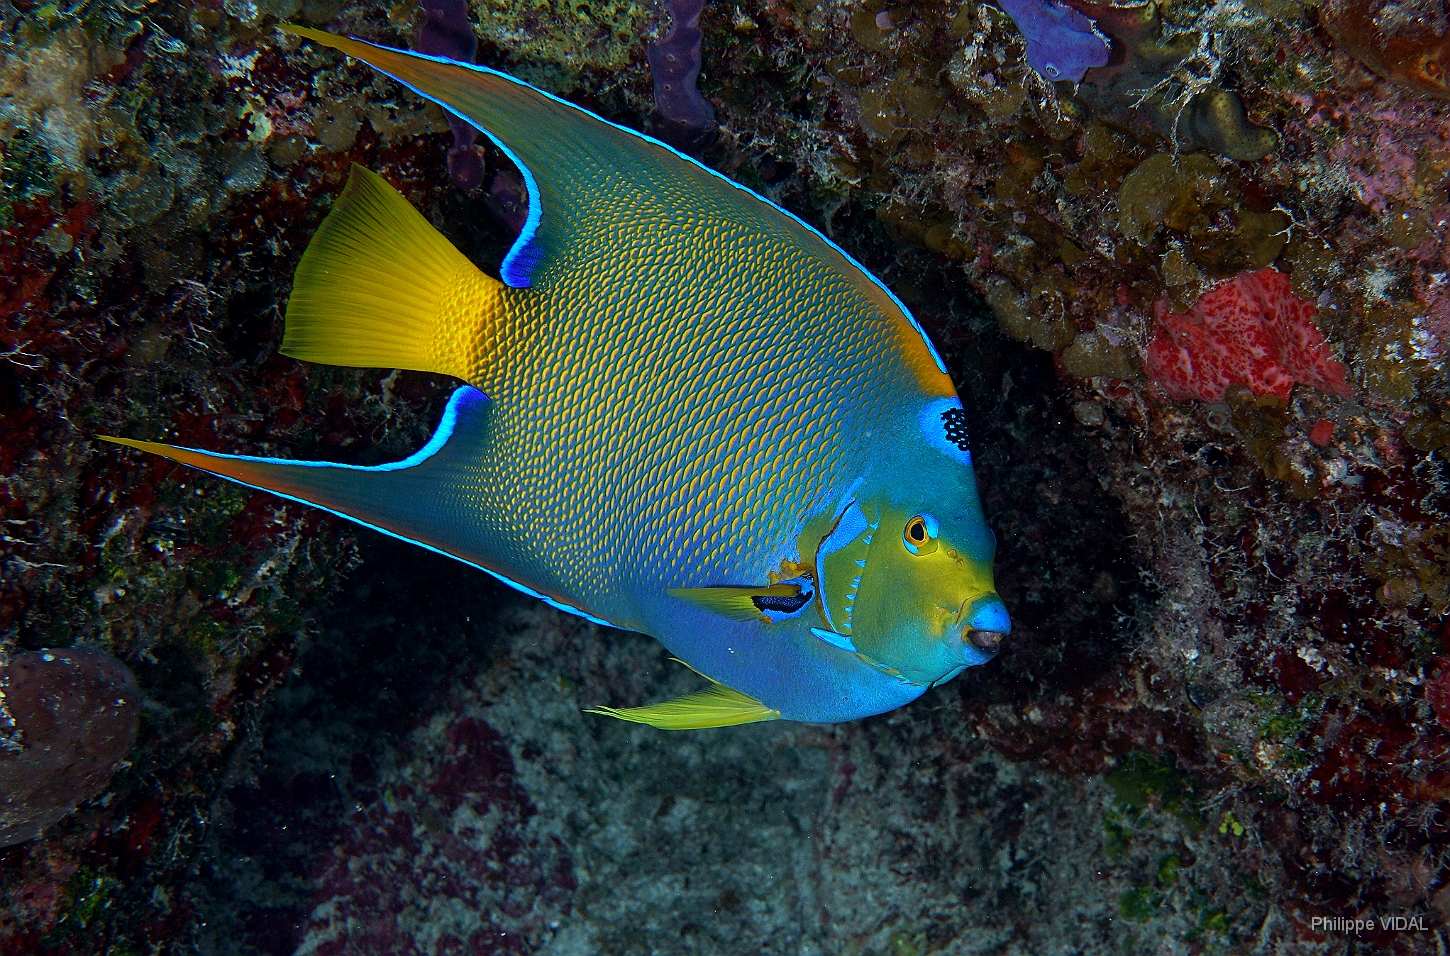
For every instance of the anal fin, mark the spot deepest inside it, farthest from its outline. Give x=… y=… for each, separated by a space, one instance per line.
x=431 y=498
x=715 y=706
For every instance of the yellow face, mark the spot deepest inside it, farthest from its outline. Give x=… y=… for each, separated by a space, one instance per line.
x=913 y=594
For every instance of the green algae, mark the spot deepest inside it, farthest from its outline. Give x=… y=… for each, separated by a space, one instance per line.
x=1284 y=722
x=1169 y=869
x=1429 y=426
x=1143 y=780
x=1037 y=317
x=26 y=172
x=1187 y=206
x=1092 y=354
x=1389 y=359
x=1117 y=835
x=1169 y=191
x=556 y=42
x=86 y=900
x=1263 y=423
x=1140 y=904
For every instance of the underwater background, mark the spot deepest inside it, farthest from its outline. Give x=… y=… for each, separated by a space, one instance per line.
x=1222 y=719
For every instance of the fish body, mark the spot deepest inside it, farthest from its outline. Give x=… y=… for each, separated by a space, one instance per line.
x=687 y=414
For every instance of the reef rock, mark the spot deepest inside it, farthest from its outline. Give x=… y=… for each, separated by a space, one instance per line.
x=68 y=719
x=1406 y=42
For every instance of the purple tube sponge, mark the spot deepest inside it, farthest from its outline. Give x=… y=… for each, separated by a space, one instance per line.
x=508 y=198
x=1062 y=44
x=67 y=720
x=683 y=118
x=447 y=31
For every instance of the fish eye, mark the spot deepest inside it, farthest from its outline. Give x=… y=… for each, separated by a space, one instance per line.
x=920 y=535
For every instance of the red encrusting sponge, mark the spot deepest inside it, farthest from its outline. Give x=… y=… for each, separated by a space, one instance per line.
x=1251 y=330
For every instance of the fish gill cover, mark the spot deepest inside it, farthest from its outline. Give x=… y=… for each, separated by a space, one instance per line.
x=1225 y=697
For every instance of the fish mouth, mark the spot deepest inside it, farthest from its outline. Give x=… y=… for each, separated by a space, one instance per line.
x=982 y=623
x=986 y=640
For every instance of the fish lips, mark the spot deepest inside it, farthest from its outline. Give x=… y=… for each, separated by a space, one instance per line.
x=982 y=624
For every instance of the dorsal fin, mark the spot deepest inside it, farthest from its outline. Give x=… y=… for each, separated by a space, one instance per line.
x=568 y=157
x=585 y=175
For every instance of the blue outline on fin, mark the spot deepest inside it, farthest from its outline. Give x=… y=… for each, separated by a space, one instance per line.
x=525 y=254
x=834 y=639
x=461 y=395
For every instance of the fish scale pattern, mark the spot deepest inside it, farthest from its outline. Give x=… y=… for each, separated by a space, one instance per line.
x=670 y=405
x=686 y=387
x=680 y=376
x=688 y=378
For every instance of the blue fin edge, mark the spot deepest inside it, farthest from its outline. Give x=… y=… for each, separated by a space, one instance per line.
x=524 y=255
x=835 y=639
x=463 y=396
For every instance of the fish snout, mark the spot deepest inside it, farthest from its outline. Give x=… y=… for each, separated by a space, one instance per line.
x=984 y=622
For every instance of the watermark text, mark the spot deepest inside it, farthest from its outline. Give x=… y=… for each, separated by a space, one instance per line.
x=1357 y=925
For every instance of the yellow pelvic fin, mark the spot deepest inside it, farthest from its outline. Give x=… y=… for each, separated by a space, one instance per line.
x=715 y=706
x=735 y=603
x=379 y=287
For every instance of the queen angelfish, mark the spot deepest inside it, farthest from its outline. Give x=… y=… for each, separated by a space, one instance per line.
x=687 y=413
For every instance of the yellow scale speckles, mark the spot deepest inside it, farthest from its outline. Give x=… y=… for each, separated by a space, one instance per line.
x=462 y=345
x=654 y=401
x=679 y=344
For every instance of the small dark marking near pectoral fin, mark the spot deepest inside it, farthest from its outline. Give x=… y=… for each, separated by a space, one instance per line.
x=781 y=604
x=774 y=602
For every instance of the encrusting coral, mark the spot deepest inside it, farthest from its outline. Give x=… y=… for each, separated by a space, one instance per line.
x=1167 y=83
x=1244 y=728
x=1407 y=42
x=1252 y=331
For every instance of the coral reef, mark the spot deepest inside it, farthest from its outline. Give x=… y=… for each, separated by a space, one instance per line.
x=1223 y=711
x=69 y=719
x=1408 y=43
x=1168 y=83
x=559 y=45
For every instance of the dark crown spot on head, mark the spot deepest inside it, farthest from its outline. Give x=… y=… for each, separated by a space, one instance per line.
x=954 y=420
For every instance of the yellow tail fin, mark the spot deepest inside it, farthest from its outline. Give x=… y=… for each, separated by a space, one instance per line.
x=379 y=287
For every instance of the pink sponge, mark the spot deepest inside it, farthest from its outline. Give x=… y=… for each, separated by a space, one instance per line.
x=1251 y=330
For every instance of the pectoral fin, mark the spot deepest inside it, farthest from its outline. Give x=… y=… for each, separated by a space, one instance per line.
x=772 y=603
x=715 y=706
